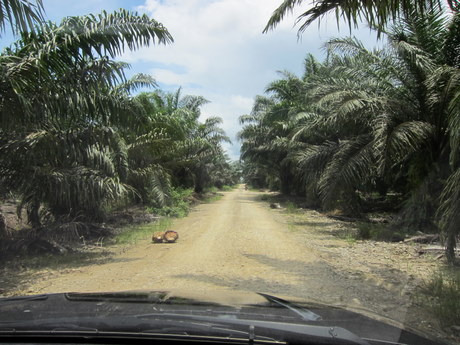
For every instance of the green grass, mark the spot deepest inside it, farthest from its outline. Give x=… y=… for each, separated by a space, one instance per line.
x=228 y=188
x=350 y=238
x=441 y=295
x=133 y=234
x=212 y=198
x=291 y=207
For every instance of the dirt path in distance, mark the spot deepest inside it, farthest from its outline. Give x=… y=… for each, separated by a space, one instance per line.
x=239 y=243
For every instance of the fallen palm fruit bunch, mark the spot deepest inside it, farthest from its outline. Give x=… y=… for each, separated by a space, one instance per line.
x=169 y=236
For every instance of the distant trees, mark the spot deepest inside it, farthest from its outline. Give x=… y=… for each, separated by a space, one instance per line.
x=191 y=149
x=365 y=122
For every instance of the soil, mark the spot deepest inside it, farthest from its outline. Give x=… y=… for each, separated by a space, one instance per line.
x=240 y=243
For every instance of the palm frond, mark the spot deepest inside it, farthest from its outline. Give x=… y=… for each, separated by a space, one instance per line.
x=376 y=13
x=394 y=143
x=22 y=15
x=103 y=34
x=349 y=167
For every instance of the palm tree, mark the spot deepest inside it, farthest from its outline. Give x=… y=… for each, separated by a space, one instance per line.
x=186 y=148
x=265 y=131
x=375 y=120
x=62 y=102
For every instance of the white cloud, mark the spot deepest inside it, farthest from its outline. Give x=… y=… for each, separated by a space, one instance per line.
x=242 y=102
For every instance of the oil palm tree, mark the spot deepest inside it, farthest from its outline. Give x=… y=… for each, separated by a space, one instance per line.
x=374 y=120
x=176 y=140
x=63 y=100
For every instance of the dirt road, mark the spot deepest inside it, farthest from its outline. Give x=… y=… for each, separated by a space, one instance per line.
x=232 y=243
x=239 y=243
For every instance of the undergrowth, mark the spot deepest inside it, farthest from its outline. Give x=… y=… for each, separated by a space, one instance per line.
x=441 y=295
x=227 y=188
x=377 y=232
x=212 y=198
x=178 y=205
x=291 y=207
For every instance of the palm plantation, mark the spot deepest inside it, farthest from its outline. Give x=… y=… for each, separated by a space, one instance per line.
x=368 y=122
x=75 y=142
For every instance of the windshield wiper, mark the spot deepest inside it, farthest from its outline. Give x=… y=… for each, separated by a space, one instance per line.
x=41 y=297
x=281 y=331
x=305 y=314
x=126 y=326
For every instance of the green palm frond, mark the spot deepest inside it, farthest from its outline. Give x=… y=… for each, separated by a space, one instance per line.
x=313 y=159
x=136 y=82
x=152 y=184
x=97 y=35
x=22 y=15
x=376 y=13
x=394 y=143
x=348 y=168
x=444 y=100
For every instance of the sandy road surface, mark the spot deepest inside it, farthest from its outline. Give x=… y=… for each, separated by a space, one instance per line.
x=232 y=243
x=239 y=243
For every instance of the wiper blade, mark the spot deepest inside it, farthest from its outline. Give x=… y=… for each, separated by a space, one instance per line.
x=305 y=314
x=281 y=331
x=41 y=297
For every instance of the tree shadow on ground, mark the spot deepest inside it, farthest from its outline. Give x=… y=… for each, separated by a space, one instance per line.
x=16 y=273
x=312 y=224
x=320 y=282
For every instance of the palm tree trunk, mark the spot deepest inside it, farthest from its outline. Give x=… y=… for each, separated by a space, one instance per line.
x=33 y=214
x=4 y=232
x=451 y=243
x=285 y=181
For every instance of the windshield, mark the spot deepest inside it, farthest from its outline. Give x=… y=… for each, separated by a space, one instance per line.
x=296 y=154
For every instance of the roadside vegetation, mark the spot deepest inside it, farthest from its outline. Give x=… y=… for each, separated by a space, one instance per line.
x=441 y=295
x=367 y=131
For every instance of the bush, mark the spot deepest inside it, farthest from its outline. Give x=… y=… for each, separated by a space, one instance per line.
x=291 y=207
x=227 y=188
x=442 y=297
x=378 y=232
x=178 y=204
x=211 y=190
x=264 y=197
x=364 y=232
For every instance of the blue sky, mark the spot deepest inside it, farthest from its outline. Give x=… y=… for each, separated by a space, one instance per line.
x=219 y=50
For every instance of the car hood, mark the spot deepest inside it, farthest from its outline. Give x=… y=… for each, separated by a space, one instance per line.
x=223 y=306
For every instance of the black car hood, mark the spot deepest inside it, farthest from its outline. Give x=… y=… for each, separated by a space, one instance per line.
x=218 y=305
